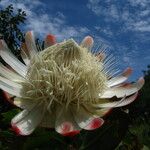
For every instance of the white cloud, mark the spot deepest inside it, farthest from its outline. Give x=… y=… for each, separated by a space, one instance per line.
x=143 y=26
x=107 y=30
x=45 y=23
x=42 y=23
x=134 y=15
x=104 y=8
x=142 y=3
x=114 y=12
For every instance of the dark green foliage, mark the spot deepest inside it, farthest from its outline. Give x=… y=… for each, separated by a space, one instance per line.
x=7 y=116
x=10 y=30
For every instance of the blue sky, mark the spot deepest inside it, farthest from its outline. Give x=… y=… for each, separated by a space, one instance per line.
x=123 y=25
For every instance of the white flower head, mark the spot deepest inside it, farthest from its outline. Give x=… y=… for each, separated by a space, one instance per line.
x=65 y=86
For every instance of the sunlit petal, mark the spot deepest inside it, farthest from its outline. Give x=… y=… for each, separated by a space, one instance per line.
x=10 y=59
x=30 y=43
x=123 y=90
x=9 y=74
x=120 y=79
x=124 y=101
x=26 y=121
x=25 y=103
x=85 y=119
x=65 y=123
x=25 y=54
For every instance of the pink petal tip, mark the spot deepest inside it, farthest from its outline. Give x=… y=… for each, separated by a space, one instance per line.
x=94 y=124
x=87 y=42
x=16 y=129
x=127 y=72
x=67 y=129
x=72 y=133
x=50 y=39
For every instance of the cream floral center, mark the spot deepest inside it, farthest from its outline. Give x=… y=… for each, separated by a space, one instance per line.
x=64 y=73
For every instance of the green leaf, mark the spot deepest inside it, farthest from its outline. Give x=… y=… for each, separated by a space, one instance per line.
x=7 y=116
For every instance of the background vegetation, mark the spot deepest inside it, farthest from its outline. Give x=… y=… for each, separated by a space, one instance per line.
x=121 y=131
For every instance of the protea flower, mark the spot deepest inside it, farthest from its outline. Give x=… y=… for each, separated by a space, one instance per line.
x=65 y=86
